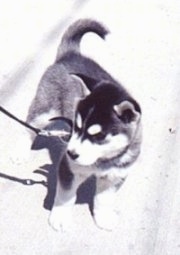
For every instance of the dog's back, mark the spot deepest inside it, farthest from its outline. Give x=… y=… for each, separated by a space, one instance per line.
x=59 y=89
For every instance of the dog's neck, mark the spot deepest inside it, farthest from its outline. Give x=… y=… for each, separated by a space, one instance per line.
x=122 y=160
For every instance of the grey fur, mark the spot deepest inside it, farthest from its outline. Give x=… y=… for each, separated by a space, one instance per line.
x=72 y=37
x=57 y=83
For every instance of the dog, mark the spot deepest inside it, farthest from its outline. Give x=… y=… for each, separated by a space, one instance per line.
x=105 y=122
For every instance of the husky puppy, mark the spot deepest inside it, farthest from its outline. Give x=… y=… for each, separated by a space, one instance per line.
x=106 y=125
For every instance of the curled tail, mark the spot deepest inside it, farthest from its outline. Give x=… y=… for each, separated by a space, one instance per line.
x=72 y=37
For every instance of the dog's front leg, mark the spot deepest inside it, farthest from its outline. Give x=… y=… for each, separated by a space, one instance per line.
x=105 y=212
x=60 y=215
x=65 y=197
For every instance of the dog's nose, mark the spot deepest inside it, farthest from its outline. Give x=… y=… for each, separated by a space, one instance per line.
x=73 y=154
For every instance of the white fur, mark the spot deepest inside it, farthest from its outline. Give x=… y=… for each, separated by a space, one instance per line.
x=60 y=217
x=89 y=152
x=114 y=173
x=104 y=214
x=79 y=121
x=61 y=213
x=94 y=129
x=43 y=119
x=105 y=218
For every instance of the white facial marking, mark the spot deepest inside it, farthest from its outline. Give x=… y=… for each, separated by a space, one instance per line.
x=79 y=121
x=74 y=142
x=89 y=152
x=94 y=129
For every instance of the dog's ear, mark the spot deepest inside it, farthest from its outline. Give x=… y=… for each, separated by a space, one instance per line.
x=88 y=81
x=127 y=112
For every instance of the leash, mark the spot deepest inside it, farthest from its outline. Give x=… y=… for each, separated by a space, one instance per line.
x=28 y=182
x=38 y=131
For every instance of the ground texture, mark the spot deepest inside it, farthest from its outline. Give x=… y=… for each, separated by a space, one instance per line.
x=143 y=53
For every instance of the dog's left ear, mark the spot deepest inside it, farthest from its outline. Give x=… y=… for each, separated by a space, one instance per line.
x=88 y=81
x=127 y=112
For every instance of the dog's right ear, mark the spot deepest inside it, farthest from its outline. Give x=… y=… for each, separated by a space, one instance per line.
x=127 y=112
x=88 y=81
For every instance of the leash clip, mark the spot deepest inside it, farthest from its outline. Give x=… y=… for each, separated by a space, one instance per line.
x=59 y=133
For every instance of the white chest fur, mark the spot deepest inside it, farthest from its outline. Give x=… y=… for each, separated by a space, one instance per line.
x=112 y=174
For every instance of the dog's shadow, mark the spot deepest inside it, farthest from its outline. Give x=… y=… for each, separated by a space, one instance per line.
x=56 y=148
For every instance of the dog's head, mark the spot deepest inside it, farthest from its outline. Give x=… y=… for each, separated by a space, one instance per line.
x=106 y=126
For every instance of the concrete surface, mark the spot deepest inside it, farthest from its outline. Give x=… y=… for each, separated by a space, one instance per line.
x=143 y=52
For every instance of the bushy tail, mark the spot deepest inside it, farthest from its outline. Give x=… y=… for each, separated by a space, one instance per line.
x=72 y=37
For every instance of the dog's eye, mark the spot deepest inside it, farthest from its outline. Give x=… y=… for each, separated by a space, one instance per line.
x=99 y=136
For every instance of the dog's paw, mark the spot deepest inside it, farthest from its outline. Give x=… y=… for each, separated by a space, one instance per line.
x=106 y=219
x=60 y=218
